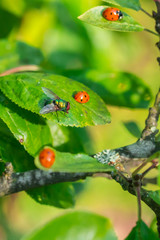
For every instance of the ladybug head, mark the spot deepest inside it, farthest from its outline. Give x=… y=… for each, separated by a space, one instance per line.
x=120 y=15
x=68 y=107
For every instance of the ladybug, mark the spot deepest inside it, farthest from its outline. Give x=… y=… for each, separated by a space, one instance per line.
x=112 y=14
x=47 y=157
x=81 y=97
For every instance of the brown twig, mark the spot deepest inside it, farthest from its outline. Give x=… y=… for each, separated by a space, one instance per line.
x=150 y=129
x=146 y=12
x=156 y=16
x=21 y=69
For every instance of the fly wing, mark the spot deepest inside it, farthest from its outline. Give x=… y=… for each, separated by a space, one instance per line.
x=49 y=108
x=49 y=93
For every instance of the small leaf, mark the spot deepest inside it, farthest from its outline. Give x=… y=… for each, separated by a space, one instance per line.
x=155 y=195
x=67 y=162
x=26 y=91
x=12 y=151
x=69 y=139
x=94 y=17
x=10 y=22
x=60 y=195
x=117 y=88
x=13 y=54
x=81 y=141
x=28 y=54
x=76 y=226
x=141 y=232
x=133 y=128
x=133 y=4
x=153 y=226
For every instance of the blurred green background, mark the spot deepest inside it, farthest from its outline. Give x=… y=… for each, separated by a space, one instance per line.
x=69 y=44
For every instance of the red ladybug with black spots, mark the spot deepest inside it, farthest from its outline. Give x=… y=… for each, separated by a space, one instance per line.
x=112 y=14
x=47 y=157
x=81 y=97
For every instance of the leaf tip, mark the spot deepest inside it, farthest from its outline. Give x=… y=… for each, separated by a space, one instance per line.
x=80 y=17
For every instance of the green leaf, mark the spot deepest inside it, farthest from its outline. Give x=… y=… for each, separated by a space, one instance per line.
x=2 y=166
x=8 y=22
x=28 y=128
x=67 y=162
x=75 y=226
x=26 y=91
x=133 y=128
x=94 y=17
x=14 y=54
x=119 y=89
x=60 y=195
x=141 y=232
x=155 y=195
x=81 y=141
x=59 y=60
x=12 y=151
x=69 y=139
x=28 y=54
x=133 y=4
x=153 y=226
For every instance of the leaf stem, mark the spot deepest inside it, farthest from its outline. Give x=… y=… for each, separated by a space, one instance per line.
x=147 y=30
x=148 y=169
x=139 y=168
x=138 y=193
x=20 y=69
x=146 y=12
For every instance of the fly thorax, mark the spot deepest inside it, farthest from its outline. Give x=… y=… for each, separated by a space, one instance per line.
x=61 y=103
x=56 y=102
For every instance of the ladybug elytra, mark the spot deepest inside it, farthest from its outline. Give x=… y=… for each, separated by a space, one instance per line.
x=47 y=157
x=81 y=97
x=112 y=14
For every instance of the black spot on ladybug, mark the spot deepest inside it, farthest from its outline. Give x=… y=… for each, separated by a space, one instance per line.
x=81 y=99
x=111 y=13
x=85 y=95
x=112 y=18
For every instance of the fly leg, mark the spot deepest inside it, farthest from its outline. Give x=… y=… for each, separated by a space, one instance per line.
x=57 y=116
x=65 y=114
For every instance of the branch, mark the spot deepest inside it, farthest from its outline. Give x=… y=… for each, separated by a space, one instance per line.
x=156 y=16
x=150 y=129
x=15 y=182
x=132 y=155
x=128 y=186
